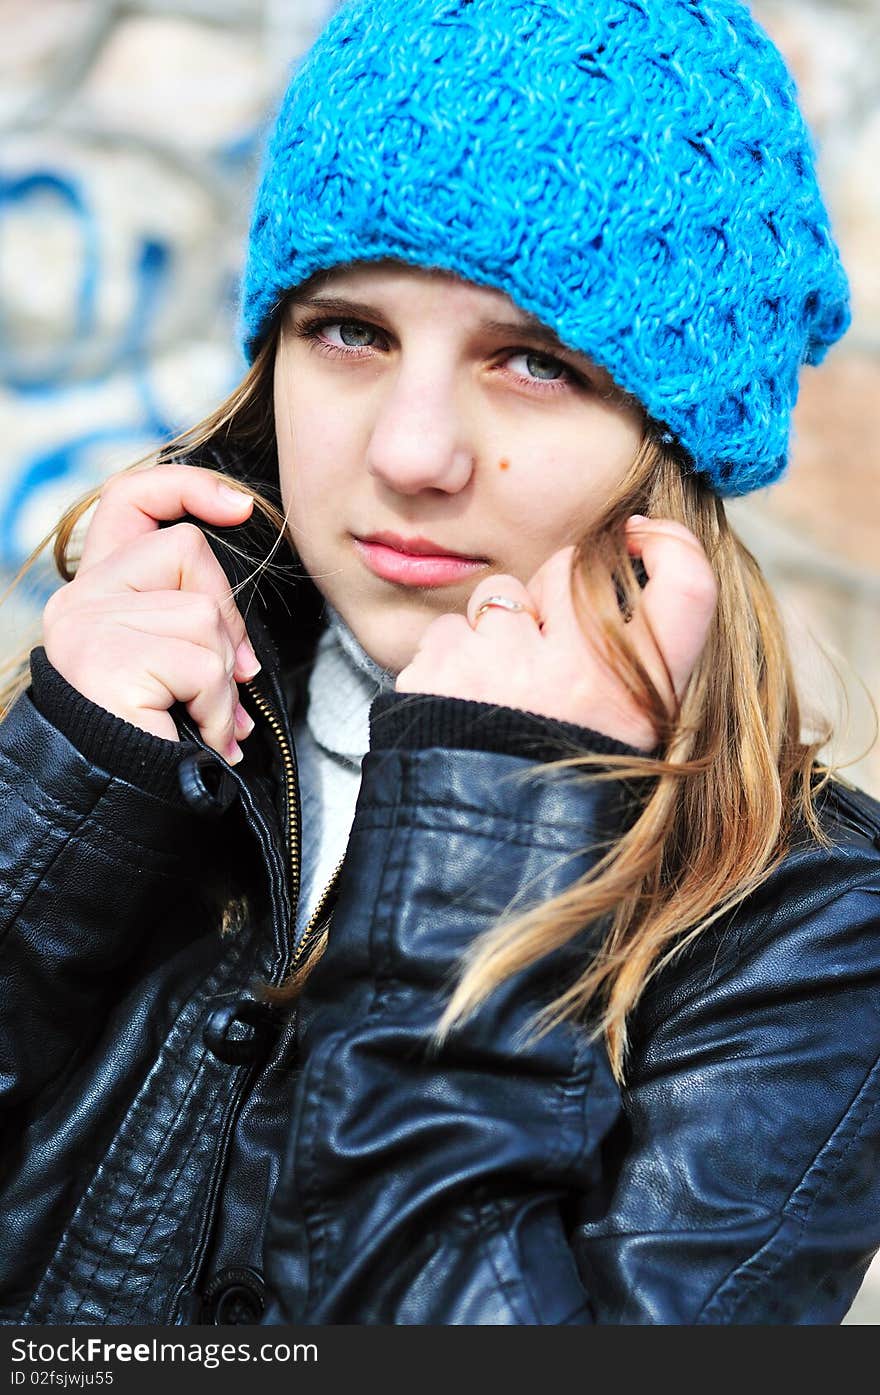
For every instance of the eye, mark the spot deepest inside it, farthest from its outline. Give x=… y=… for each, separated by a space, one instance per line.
x=541 y=372
x=340 y=338
x=353 y=333
x=541 y=367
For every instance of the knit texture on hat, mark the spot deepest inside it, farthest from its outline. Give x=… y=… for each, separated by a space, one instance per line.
x=636 y=173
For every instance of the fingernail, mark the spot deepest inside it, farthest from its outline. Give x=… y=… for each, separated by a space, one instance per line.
x=638 y=518
x=244 y=722
x=246 y=661
x=234 y=753
x=239 y=497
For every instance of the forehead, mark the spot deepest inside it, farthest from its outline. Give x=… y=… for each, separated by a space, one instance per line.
x=390 y=277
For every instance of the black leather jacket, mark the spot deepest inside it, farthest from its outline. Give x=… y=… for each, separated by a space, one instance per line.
x=174 y=1151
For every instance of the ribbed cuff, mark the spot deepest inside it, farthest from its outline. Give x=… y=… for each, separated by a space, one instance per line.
x=416 y=721
x=148 y=762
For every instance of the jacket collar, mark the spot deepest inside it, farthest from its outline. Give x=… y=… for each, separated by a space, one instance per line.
x=282 y=608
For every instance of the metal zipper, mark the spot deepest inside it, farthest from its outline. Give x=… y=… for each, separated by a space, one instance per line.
x=263 y=705
x=311 y=930
x=188 y=1300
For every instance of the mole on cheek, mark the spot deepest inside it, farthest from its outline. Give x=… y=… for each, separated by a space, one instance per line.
x=503 y=464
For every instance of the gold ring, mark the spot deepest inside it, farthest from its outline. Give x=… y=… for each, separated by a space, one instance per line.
x=502 y=603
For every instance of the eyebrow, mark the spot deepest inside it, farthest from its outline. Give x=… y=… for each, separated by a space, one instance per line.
x=529 y=325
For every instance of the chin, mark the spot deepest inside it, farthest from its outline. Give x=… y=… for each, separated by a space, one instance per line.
x=391 y=642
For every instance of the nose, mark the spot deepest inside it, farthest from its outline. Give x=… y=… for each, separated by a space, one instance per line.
x=421 y=438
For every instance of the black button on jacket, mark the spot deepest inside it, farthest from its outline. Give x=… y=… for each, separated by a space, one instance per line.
x=175 y=1152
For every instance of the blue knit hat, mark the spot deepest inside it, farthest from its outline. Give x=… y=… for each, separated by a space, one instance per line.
x=636 y=173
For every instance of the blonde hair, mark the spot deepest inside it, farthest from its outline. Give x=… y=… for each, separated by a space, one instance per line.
x=717 y=809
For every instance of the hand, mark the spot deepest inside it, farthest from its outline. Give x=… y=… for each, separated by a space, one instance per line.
x=544 y=662
x=149 y=619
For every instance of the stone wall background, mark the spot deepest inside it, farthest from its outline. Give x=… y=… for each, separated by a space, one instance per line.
x=130 y=133
x=129 y=141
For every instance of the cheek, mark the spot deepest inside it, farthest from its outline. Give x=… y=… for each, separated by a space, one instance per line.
x=552 y=489
x=549 y=508
x=316 y=456
x=538 y=491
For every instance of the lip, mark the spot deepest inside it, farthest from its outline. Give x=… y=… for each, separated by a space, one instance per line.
x=417 y=547
x=389 y=556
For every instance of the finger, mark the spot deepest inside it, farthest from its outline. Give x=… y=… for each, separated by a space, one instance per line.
x=678 y=602
x=551 y=591
x=441 y=639
x=553 y=584
x=178 y=558
x=497 y=618
x=574 y=628
x=155 y=614
x=443 y=635
x=134 y=502
x=198 y=678
x=192 y=616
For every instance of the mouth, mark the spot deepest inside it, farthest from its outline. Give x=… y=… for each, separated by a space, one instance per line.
x=417 y=547
x=416 y=561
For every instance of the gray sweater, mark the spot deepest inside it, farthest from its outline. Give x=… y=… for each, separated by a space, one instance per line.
x=332 y=738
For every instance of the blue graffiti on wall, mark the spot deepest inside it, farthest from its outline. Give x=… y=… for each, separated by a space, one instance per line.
x=151 y=269
x=14 y=192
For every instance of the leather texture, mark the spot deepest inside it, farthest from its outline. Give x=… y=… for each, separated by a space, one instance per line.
x=174 y=1151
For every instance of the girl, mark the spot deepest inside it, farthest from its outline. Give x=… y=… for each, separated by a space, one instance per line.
x=422 y=904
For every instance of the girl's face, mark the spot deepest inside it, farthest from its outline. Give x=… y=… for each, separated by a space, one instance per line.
x=418 y=414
